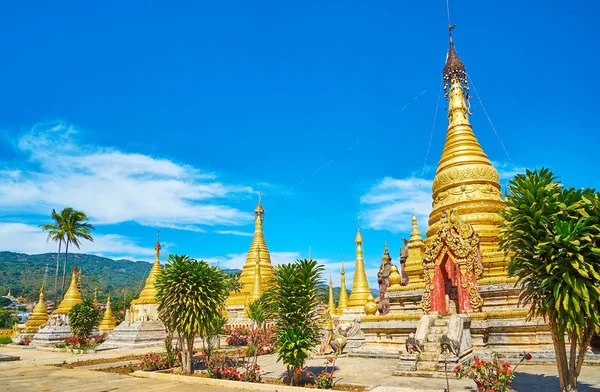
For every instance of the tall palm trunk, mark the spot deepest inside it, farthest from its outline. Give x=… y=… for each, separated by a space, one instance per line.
x=56 y=277
x=65 y=269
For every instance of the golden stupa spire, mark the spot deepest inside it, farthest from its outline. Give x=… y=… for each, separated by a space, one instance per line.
x=108 y=322
x=72 y=296
x=259 y=246
x=256 y=288
x=9 y=295
x=360 y=286
x=331 y=299
x=148 y=294
x=343 y=301
x=39 y=315
x=465 y=179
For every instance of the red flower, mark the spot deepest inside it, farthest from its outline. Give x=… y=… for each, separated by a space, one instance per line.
x=330 y=359
x=527 y=356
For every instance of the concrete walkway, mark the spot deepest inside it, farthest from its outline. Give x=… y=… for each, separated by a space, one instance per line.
x=377 y=373
x=34 y=372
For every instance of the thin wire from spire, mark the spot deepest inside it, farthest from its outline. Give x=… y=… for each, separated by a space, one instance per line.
x=358 y=218
x=489 y=118
x=448 y=12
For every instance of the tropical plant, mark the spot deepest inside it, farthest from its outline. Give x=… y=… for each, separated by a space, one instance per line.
x=7 y=319
x=551 y=235
x=75 y=227
x=56 y=234
x=191 y=295
x=83 y=318
x=292 y=301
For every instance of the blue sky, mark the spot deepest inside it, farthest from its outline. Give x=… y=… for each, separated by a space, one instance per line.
x=151 y=115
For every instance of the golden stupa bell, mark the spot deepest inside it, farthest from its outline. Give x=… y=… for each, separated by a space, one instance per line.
x=39 y=315
x=465 y=179
x=360 y=286
x=108 y=322
x=148 y=294
x=331 y=306
x=257 y=247
x=72 y=296
x=343 y=301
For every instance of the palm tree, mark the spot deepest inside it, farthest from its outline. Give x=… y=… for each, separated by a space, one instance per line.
x=551 y=235
x=56 y=234
x=75 y=227
x=191 y=295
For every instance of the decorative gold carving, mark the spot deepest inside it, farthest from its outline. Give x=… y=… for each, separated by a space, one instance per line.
x=467 y=173
x=409 y=287
x=458 y=242
x=500 y=314
x=392 y=317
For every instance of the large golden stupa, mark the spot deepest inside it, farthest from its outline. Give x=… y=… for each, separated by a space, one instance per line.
x=148 y=294
x=465 y=180
x=72 y=296
x=258 y=255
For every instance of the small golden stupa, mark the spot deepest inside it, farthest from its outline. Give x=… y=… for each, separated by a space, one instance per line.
x=331 y=306
x=148 y=294
x=108 y=322
x=343 y=301
x=72 y=296
x=258 y=246
x=39 y=315
x=360 y=286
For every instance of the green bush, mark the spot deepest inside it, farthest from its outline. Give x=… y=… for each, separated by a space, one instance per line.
x=5 y=340
x=83 y=318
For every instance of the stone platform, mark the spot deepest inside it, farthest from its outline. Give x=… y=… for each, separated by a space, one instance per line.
x=51 y=335
x=136 y=334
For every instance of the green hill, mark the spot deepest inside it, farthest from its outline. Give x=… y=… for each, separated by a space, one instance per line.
x=23 y=274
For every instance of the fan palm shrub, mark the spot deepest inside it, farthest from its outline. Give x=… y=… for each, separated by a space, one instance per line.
x=191 y=295
x=551 y=235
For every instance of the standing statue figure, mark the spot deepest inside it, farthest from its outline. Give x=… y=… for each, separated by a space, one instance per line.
x=403 y=257
x=384 y=282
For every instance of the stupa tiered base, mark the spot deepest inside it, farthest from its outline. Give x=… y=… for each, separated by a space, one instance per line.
x=56 y=331
x=137 y=334
x=141 y=328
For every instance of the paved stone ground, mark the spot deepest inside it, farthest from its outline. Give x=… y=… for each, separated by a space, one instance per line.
x=377 y=372
x=35 y=373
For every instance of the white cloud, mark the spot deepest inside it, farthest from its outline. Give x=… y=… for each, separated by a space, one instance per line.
x=507 y=170
x=390 y=203
x=235 y=232
x=19 y=237
x=112 y=186
x=237 y=260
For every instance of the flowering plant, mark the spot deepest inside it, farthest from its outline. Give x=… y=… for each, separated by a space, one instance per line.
x=154 y=361
x=236 y=336
x=24 y=342
x=490 y=376
x=230 y=367
x=323 y=380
